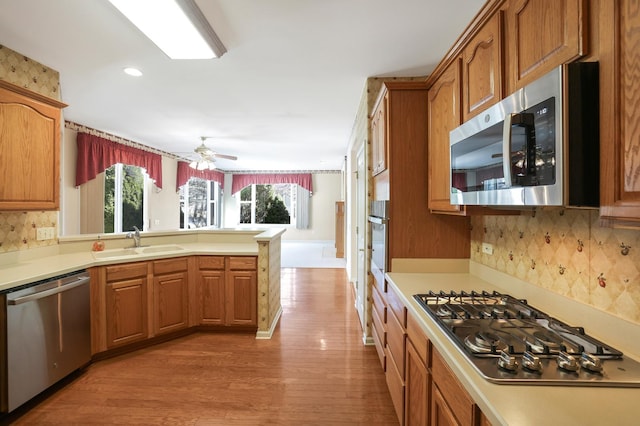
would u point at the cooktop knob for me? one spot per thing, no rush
(507, 362)
(567, 362)
(531, 362)
(590, 363)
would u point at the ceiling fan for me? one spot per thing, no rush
(207, 156)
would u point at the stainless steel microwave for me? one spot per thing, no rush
(537, 147)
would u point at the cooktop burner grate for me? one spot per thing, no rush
(496, 331)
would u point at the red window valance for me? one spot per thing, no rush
(242, 180)
(96, 154)
(185, 172)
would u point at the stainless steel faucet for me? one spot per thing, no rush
(135, 235)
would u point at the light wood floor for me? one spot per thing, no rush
(314, 371)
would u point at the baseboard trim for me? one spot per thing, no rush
(267, 334)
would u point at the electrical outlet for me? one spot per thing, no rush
(487, 248)
(45, 233)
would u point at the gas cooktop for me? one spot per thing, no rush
(509, 341)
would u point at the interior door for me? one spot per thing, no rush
(361, 223)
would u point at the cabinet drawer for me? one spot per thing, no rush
(396, 388)
(418, 339)
(452, 391)
(380, 346)
(379, 328)
(211, 262)
(379, 306)
(242, 262)
(126, 271)
(396, 342)
(397, 307)
(169, 265)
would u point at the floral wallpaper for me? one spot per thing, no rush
(567, 252)
(18, 229)
(25, 72)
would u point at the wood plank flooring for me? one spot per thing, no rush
(314, 371)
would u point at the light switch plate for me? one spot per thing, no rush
(45, 233)
(487, 248)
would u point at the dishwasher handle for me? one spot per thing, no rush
(35, 296)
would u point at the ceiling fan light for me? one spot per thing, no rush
(193, 164)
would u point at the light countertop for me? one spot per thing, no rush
(74, 253)
(522, 405)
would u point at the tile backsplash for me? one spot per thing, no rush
(18, 229)
(567, 252)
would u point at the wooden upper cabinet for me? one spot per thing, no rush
(30, 139)
(443, 116)
(379, 136)
(620, 112)
(482, 69)
(541, 35)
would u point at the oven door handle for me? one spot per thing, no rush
(378, 220)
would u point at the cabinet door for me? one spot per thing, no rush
(541, 35)
(30, 160)
(170, 302)
(242, 298)
(441, 414)
(212, 297)
(620, 113)
(482, 69)
(379, 137)
(126, 311)
(417, 382)
(444, 116)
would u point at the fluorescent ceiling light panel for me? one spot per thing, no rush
(177, 27)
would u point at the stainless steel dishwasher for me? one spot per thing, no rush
(48, 335)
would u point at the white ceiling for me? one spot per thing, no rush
(283, 97)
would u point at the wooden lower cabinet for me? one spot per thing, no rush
(170, 295)
(441, 414)
(125, 298)
(417, 375)
(242, 298)
(228, 290)
(417, 388)
(423, 389)
(133, 302)
(211, 290)
(451, 404)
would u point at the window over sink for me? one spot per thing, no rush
(124, 198)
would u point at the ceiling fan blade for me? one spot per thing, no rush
(228, 157)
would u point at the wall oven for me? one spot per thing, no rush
(378, 218)
(538, 147)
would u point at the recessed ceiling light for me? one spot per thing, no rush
(133, 71)
(177, 27)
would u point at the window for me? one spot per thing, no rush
(200, 204)
(124, 197)
(268, 204)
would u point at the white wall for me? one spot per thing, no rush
(69, 215)
(164, 205)
(327, 189)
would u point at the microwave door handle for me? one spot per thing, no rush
(506, 150)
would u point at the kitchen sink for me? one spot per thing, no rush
(135, 251)
(108, 254)
(159, 249)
